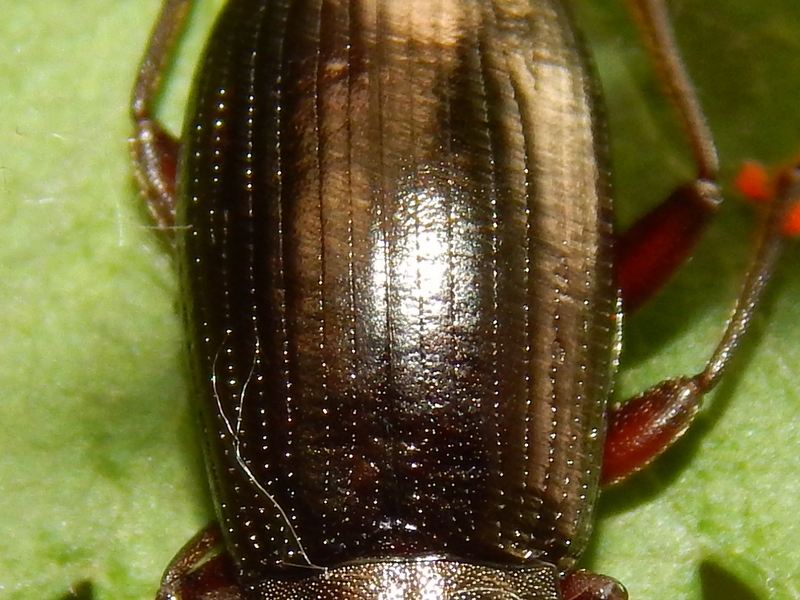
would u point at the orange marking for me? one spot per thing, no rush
(755, 183)
(791, 226)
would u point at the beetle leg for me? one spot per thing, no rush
(155, 151)
(585, 585)
(655, 28)
(651, 250)
(196, 573)
(658, 244)
(645, 426)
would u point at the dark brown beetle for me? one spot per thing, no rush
(403, 295)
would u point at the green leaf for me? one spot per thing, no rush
(101, 477)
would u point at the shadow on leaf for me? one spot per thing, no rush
(718, 583)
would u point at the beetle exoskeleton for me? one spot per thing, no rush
(402, 312)
(395, 242)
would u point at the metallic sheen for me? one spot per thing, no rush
(397, 255)
(421, 580)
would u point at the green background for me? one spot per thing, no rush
(100, 476)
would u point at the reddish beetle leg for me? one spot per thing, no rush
(643, 427)
(197, 572)
(155, 151)
(648, 254)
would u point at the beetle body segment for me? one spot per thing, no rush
(412, 579)
(396, 250)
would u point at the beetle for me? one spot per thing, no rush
(403, 295)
